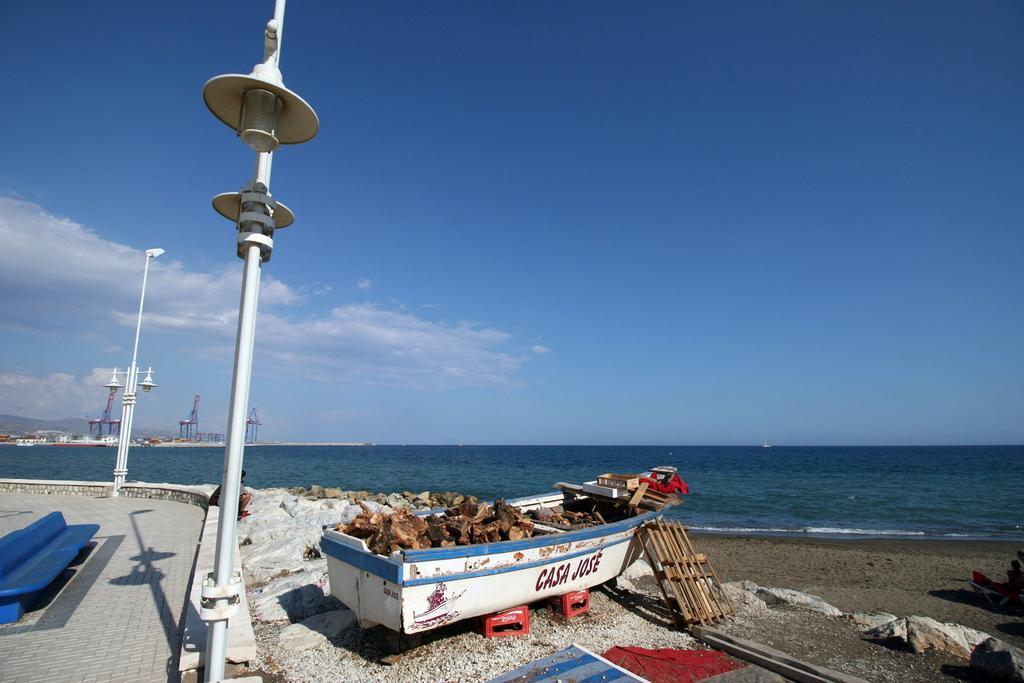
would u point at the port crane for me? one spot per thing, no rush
(252, 425)
(189, 429)
(113, 425)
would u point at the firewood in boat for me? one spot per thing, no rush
(458, 528)
(468, 524)
(406, 528)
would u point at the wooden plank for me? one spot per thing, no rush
(622, 481)
(708, 572)
(679, 577)
(697, 559)
(680, 618)
(709, 589)
(682, 602)
(635, 500)
(646, 503)
(771, 659)
(718, 582)
(683, 593)
(707, 610)
(693, 590)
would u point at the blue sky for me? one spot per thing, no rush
(575, 222)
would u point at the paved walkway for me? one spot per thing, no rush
(115, 614)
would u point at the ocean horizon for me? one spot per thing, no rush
(922, 492)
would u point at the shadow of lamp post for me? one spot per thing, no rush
(131, 384)
(264, 114)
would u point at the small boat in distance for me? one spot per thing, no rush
(765, 444)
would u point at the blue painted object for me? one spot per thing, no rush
(574, 663)
(31, 558)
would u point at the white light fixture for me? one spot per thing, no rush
(113, 384)
(260, 109)
(229, 204)
(259, 119)
(265, 114)
(153, 253)
(148, 384)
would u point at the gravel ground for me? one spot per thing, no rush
(838, 645)
(630, 615)
(459, 653)
(897, 576)
(901, 576)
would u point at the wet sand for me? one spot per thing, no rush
(903, 577)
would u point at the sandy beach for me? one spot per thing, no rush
(903, 577)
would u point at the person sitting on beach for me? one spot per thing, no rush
(243, 498)
(1013, 578)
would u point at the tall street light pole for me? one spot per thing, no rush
(265, 114)
(124, 435)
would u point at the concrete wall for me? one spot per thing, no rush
(180, 494)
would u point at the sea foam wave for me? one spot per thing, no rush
(824, 531)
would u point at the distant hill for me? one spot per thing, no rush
(15, 424)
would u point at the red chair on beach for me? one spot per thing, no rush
(994, 592)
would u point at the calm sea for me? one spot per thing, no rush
(935, 492)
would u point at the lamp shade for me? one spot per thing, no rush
(113, 384)
(296, 122)
(148, 384)
(228, 204)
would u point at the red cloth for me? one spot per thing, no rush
(672, 666)
(674, 485)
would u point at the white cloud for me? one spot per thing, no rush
(367, 344)
(540, 348)
(59, 276)
(53, 396)
(58, 269)
(364, 283)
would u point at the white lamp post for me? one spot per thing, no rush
(124, 435)
(265, 114)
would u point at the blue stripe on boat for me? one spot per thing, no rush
(512, 567)
(367, 561)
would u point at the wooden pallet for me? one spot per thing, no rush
(688, 583)
(619, 481)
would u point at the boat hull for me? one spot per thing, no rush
(418, 590)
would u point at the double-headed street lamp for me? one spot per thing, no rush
(131, 383)
(265, 114)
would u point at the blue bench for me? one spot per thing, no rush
(31, 558)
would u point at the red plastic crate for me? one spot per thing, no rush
(571, 604)
(511, 622)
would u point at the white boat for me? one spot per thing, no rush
(411, 591)
(765, 444)
(30, 441)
